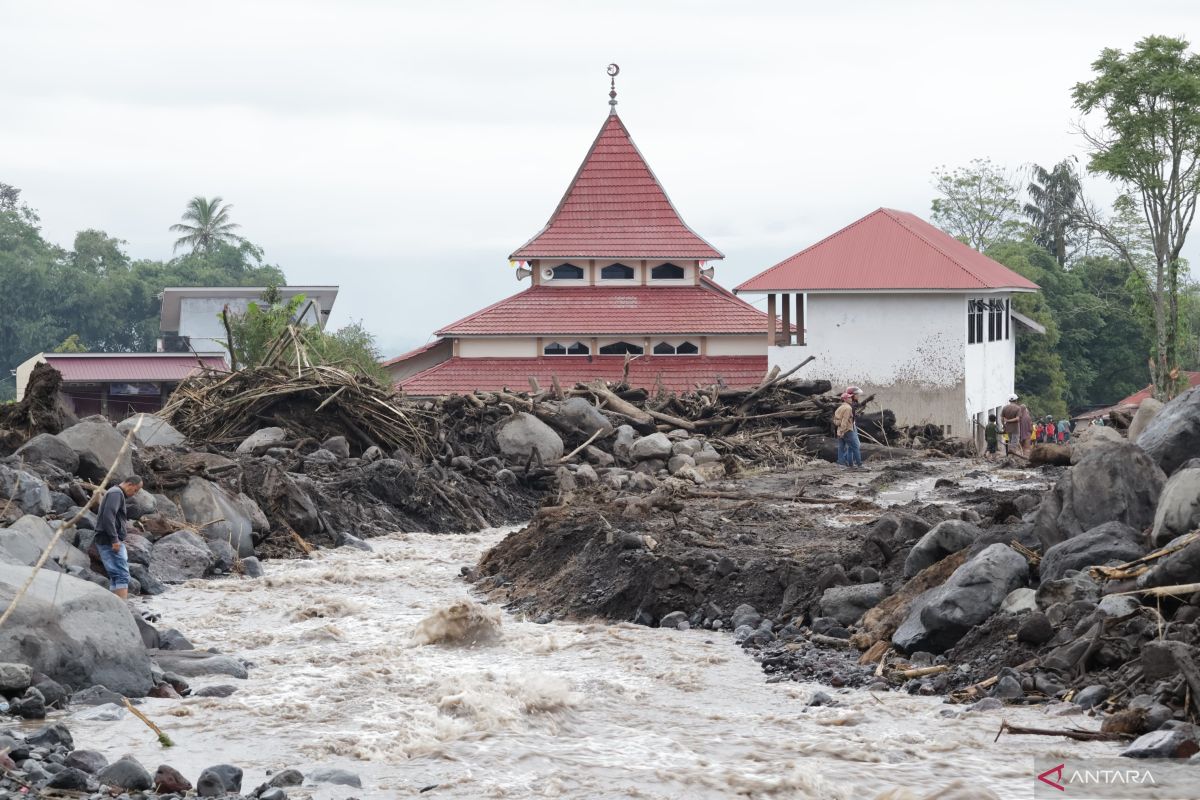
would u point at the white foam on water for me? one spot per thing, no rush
(381, 663)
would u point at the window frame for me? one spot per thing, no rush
(566, 265)
(631, 349)
(654, 276)
(618, 265)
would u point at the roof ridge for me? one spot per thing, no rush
(812, 246)
(894, 215)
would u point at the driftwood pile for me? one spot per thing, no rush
(39, 411)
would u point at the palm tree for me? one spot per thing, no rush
(1055, 193)
(205, 225)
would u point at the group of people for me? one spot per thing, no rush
(1017, 431)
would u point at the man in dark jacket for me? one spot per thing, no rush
(111, 529)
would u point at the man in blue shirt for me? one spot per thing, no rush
(111, 529)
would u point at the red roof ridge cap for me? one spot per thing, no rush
(815, 244)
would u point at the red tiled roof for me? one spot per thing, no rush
(1193, 379)
(615, 207)
(124, 367)
(679, 373)
(888, 249)
(551, 310)
(425, 348)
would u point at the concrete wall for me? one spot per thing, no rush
(420, 363)
(907, 349)
(990, 376)
(514, 347)
(200, 319)
(738, 345)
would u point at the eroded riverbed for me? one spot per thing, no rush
(560, 710)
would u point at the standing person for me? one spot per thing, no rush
(111, 529)
(1037, 429)
(1064, 431)
(1049, 430)
(1010, 422)
(849, 447)
(1026, 430)
(991, 435)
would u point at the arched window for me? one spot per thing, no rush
(616, 272)
(574, 349)
(554, 349)
(667, 272)
(620, 349)
(687, 349)
(664, 349)
(682, 349)
(578, 349)
(568, 272)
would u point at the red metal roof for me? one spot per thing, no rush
(1193, 379)
(615, 207)
(888, 249)
(132, 368)
(679, 373)
(550, 310)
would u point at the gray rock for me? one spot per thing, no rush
(321, 456)
(1173, 436)
(1008, 688)
(1109, 541)
(53, 735)
(220, 690)
(1019, 601)
(339, 777)
(940, 617)
(263, 437)
(586, 475)
(194, 663)
(23, 542)
(673, 620)
(687, 447)
(691, 474)
(46, 448)
(745, 614)
(707, 455)
(70, 779)
(523, 435)
(30, 705)
(73, 631)
(142, 504)
(655, 446)
(1181, 566)
(26, 490)
(623, 444)
(820, 698)
(337, 445)
(108, 712)
(1147, 410)
(273, 793)
(88, 761)
(1161, 743)
(565, 479)
(167, 779)
(55, 693)
(1092, 438)
(224, 556)
(15, 678)
(1160, 658)
(98, 446)
(372, 453)
(96, 696)
(1178, 506)
(640, 482)
(171, 639)
(167, 508)
(651, 466)
(583, 417)
(202, 502)
(1091, 696)
(218, 781)
(1118, 605)
(1035, 629)
(679, 462)
(252, 567)
(1075, 586)
(286, 778)
(153, 431)
(599, 457)
(179, 557)
(147, 583)
(344, 539)
(126, 773)
(847, 604)
(149, 632)
(943, 539)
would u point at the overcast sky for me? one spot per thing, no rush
(402, 150)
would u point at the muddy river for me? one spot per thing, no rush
(560, 710)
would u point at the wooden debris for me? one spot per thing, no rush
(1078, 734)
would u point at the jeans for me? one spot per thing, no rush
(849, 449)
(116, 564)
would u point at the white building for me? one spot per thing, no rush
(190, 318)
(898, 307)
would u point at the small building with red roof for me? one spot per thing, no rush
(898, 307)
(616, 276)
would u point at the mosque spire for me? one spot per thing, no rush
(613, 72)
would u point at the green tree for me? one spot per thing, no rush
(1053, 194)
(978, 204)
(71, 344)
(206, 224)
(1149, 144)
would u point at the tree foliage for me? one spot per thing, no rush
(206, 225)
(1053, 196)
(978, 204)
(1149, 143)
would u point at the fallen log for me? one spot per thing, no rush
(1058, 455)
(1078, 734)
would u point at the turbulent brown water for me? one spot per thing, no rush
(566, 710)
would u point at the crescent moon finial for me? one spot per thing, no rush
(613, 71)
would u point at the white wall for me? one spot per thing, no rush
(738, 345)
(509, 347)
(586, 264)
(908, 349)
(990, 374)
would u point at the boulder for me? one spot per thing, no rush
(27, 491)
(1091, 438)
(938, 619)
(73, 631)
(219, 781)
(623, 443)
(286, 778)
(1163, 743)
(31, 705)
(194, 663)
(147, 583)
(337, 445)
(24, 541)
(98, 446)
(142, 504)
(126, 773)
(339, 777)
(1119, 483)
(941, 540)
(263, 437)
(1146, 411)
(1173, 436)
(46, 448)
(179, 557)
(707, 455)
(522, 436)
(152, 430)
(1111, 541)
(1072, 587)
(655, 446)
(69, 779)
(168, 780)
(583, 417)
(15, 678)
(1020, 601)
(224, 556)
(679, 462)
(88, 761)
(1178, 506)
(687, 447)
(1174, 569)
(203, 501)
(847, 603)
(252, 567)
(138, 549)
